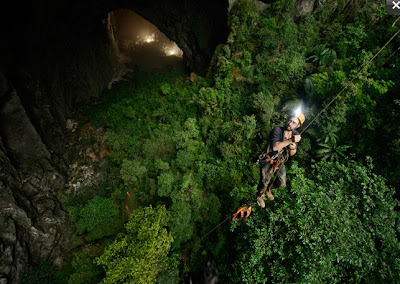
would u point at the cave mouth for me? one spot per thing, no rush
(138, 42)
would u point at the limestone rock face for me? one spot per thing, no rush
(304, 7)
(31, 219)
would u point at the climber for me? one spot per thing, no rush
(283, 143)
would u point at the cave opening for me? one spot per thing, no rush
(138, 42)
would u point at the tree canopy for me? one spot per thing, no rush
(141, 253)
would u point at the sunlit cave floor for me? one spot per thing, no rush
(151, 57)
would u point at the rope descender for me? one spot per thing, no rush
(244, 212)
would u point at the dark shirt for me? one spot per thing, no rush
(276, 135)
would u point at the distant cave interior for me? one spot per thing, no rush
(137, 42)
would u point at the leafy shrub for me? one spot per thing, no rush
(85, 270)
(45, 273)
(141, 253)
(98, 218)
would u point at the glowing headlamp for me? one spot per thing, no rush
(297, 111)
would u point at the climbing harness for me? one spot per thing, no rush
(264, 158)
(275, 166)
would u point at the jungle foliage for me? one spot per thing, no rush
(185, 151)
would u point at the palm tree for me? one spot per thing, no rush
(324, 57)
(330, 150)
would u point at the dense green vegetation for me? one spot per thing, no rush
(185, 152)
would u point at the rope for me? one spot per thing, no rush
(359, 72)
(215, 228)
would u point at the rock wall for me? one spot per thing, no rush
(31, 219)
(49, 63)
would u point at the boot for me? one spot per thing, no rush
(269, 195)
(260, 201)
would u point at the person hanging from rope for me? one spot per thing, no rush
(282, 144)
